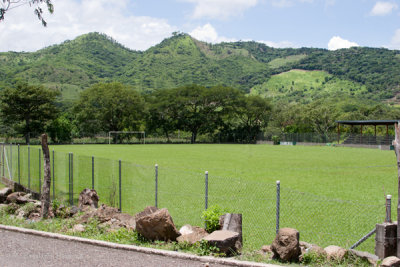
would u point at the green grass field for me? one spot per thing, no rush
(305, 84)
(332, 195)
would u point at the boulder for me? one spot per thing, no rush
(286, 245)
(335, 253)
(226, 241)
(13, 197)
(78, 228)
(126, 220)
(156, 224)
(391, 261)
(311, 248)
(191, 234)
(371, 258)
(88, 197)
(105, 213)
(232, 222)
(266, 249)
(4, 193)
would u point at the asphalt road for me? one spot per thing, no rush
(19, 249)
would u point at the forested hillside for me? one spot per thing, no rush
(72, 66)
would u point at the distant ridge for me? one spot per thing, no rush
(74, 65)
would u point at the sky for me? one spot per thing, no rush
(140, 24)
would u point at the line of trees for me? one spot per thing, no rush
(216, 111)
(219, 112)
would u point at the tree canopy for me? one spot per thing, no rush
(28, 108)
(108, 107)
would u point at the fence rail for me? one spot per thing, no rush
(265, 206)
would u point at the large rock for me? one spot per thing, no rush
(156, 224)
(88, 197)
(311, 248)
(226, 241)
(286, 245)
(335, 253)
(371, 258)
(391, 261)
(105, 213)
(232, 222)
(191, 234)
(17, 197)
(126, 220)
(4, 193)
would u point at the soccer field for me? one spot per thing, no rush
(332, 195)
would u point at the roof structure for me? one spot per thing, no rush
(369, 122)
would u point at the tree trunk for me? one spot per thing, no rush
(396, 144)
(194, 136)
(45, 198)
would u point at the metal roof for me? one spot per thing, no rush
(369, 122)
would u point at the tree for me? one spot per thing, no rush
(7, 5)
(162, 114)
(108, 107)
(28, 108)
(202, 110)
(253, 113)
(60, 129)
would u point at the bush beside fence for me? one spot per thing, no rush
(132, 187)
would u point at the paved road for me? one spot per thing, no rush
(19, 249)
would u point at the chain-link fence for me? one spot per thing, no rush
(265, 206)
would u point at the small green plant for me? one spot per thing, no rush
(203, 248)
(211, 217)
(276, 140)
(11, 208)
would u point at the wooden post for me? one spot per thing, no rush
(45, 198)
(396, 144)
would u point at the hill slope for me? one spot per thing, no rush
(74, 65)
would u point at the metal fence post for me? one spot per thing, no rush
(206, 191)
(29, 167)
(40, 174)
(206, 195)
(92, 172)
(54, 180)
(278, 199)
(156, 196)
(11, 165)
(71, 178)
(120, 187)
(388, 209)
(2, 156)
(19, 166)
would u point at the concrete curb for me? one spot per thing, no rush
(173, 254)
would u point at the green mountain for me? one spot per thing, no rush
(253, 67)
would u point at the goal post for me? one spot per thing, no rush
(142, 135)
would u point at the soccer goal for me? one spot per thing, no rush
(121, 135)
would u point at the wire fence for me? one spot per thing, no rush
(265, 206)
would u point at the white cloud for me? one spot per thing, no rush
(383, 8)
(207, 33)
(21, 31)
(220, 9)
(288, 3)
(395, 42)
(282, 44)
(337, 42)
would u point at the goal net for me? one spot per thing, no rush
(126, 137)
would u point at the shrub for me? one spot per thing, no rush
(211, 217)
(276, 139)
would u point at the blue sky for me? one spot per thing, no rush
(140, 24)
